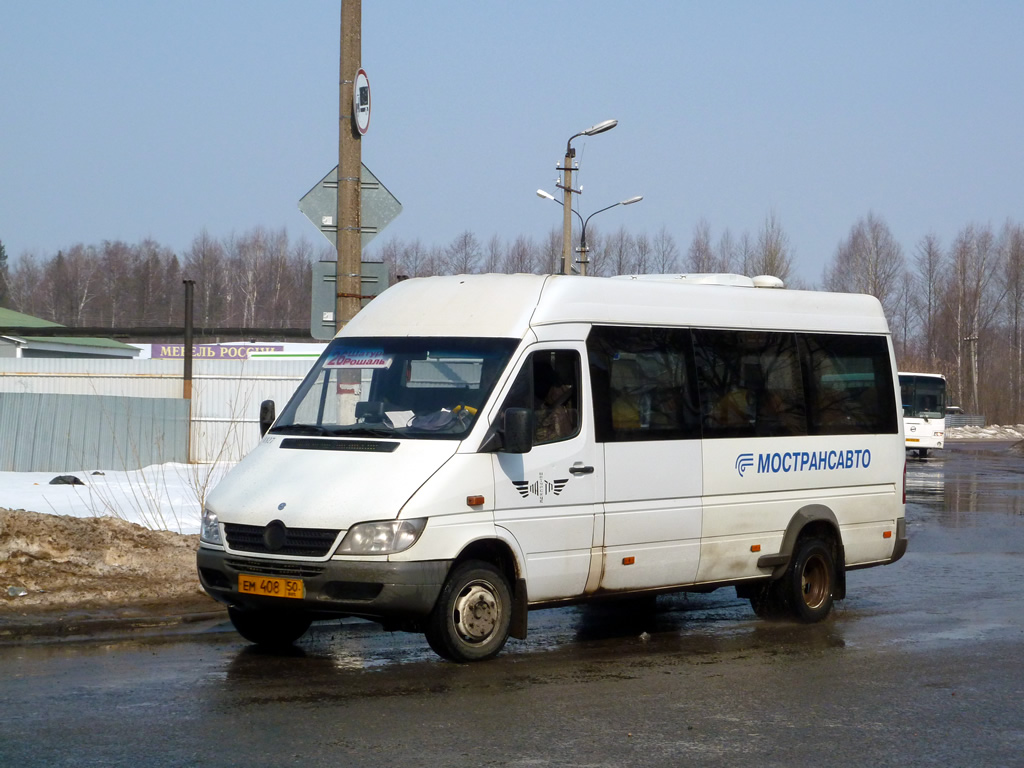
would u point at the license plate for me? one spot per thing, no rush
(270, 586)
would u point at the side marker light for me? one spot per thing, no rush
(475, 501)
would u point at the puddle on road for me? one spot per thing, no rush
(971, 484)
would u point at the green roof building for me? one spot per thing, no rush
(55, 346)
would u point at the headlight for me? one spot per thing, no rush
(382, 538)
(210, 531)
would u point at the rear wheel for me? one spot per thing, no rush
(768, 601)
(270, 628)
(810, 581)
(471, 619)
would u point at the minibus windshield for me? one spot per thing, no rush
(408, 387)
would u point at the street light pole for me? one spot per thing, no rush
(567, 190)
(583, 249)
(584, 259)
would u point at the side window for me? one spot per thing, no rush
(643, 384)
(750, 384)
(850, 383)
(549, 383)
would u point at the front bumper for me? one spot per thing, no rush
(381, 591)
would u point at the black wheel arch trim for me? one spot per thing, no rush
(499, 554)
(805, 516)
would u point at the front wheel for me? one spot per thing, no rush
(810, 581)
(273, 629)
(471, 619)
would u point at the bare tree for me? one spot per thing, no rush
(725, 253)
(549, 256)
(970, 306)
(463, 255)
(928, 279)
(699, 256)
(643, 253)
(521, 256)
(665, 252)
(494, 255)
(868, 261)
(115, 262)
(25, 285)
(618, 252)
(1012, 244)
(745, 251)
(71, 279)
(772, 254)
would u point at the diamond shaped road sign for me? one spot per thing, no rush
(377, 206)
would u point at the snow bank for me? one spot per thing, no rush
(992, 432)
(160, 497)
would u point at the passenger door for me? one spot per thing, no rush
(647, 423)
(547, 498)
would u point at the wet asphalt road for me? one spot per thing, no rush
(920, 665)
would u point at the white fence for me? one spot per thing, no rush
(226, 394)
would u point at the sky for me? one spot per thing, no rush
(122, 120)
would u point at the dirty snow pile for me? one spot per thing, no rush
(992, 432)
(85, 540)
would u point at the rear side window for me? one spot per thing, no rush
(849, 380)
(750, 382)
(643, 384)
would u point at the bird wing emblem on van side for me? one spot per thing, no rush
(540, 487)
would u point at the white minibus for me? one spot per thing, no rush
(469, 448)
(923, 398)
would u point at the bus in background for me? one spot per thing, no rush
(924, 410)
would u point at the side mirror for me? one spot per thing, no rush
(267, 415)
(517, 434)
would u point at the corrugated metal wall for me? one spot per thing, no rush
(225, 404)
(57, 433)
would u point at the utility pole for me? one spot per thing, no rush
(567, 190)
(348, 281)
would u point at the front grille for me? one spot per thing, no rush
(265, 568)
(298, 542)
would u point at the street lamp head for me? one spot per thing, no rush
(604, 125)
(545, 195)
(632, 200)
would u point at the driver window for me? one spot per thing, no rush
(549, 383)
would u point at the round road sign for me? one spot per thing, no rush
(361, 101)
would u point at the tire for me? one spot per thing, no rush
(768, 601)
(269, 628)
(471, 619)
(809, 582)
